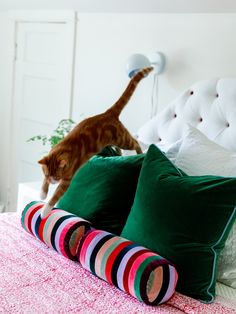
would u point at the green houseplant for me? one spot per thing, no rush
(63, 128)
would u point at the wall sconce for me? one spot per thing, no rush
(139, 61)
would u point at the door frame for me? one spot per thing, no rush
(67, 17)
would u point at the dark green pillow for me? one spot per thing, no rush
(109, 151)
(185, 219)
(102, 191)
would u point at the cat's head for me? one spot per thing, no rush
(55, 166)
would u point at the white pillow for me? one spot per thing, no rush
(198, 155)
(172, 150)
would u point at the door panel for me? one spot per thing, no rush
(42, 91)
(41, 47)
(32, 151)
(42, 107)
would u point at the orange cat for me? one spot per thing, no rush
(88, 138)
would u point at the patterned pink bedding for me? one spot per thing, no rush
(35, 279)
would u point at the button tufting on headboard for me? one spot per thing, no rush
(211, 108)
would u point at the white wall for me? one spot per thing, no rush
(130, 6)
(6, 57)
(197, 46)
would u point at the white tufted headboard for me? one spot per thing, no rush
(208, 105)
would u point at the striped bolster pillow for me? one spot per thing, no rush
(60, 230)
(130, 267)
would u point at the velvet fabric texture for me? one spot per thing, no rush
(108, 151)
(102, 191)
(184, 218)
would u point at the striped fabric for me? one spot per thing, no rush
(130, 267)
(60, 230)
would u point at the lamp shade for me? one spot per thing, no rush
(139, 61)
(136, 62)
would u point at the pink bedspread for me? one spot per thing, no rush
(36, 279)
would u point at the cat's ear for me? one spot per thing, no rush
(43, 161)
(62, 164)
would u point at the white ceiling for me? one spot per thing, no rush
(126, 6)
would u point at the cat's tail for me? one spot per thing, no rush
(125, 97)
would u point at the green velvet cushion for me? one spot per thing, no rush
(102, 191)
(184, 218)
(109, 151)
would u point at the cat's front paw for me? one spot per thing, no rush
(45, 211)
(43, 195)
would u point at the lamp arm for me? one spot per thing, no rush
(159, 62)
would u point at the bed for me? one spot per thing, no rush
(35, 278)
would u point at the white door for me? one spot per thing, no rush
(42, 93)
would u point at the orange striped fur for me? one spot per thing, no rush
(88, 138)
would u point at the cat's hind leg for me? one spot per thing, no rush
(138, 148)
(126, 141)
(132, 144)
